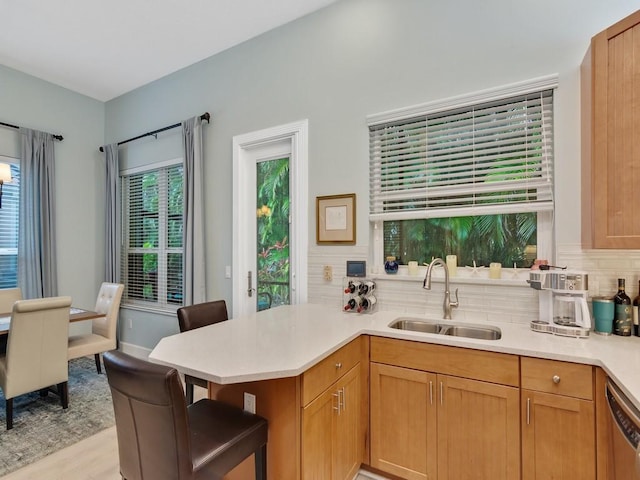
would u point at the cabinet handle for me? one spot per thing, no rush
(337, 407)
(430, 392)
(441, 393)
(339, 365)
(556, 379)
(528, 411)
(344, 399)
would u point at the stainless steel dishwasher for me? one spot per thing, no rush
(625, 435)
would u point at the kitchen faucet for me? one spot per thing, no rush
(448, 304)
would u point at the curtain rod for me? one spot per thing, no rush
(57, 137)
(204, 116)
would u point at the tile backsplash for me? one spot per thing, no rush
(480, 300)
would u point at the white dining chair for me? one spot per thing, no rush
(36, 356)
(103, 330)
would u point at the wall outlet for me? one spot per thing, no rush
(327, 272)
(249, 402)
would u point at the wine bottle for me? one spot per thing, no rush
(366, 287)
(367, 303)
(351, 288)
(623, 317)
(636, 306)
(353, 304)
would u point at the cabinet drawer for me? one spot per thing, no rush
(460, 362)
(320, 377)
(562, 378)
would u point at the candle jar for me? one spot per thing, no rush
(391, 266)
(495, 270)
(452, 265)
(412, 267)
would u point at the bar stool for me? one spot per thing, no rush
(196, 316)
(160, 438)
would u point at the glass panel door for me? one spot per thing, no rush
(272, 226)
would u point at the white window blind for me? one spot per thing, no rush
(487, 158)
(9, 230)
(153, 225)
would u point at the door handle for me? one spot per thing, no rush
(250, 288)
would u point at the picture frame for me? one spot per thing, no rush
(336, 219)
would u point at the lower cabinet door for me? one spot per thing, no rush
(558, 437)
(317, 437)
(349, 440)
(332, 440)
(478, 430)
(403, 421)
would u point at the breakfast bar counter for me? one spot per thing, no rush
(288, 340)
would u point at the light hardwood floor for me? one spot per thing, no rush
(95, 458)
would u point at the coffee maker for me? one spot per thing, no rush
(563, 302)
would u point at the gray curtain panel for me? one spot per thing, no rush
(113, 209)
(37, 271)
(193, 259)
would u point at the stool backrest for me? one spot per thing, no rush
(202, 314)
(151, 418)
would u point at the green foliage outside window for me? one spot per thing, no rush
(507, 238)
(273, 231)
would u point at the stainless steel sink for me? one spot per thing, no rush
(481, 332)
(416, 325)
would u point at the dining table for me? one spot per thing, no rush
(75, 315)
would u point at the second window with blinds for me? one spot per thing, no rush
(152, 231)
(469, 176)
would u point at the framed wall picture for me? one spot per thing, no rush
(336, 219)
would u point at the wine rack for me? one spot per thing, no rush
(359, 295)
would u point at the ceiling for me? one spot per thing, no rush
(103, 49)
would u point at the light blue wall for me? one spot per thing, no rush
(352, 59)
(33, 103)
(334, 67)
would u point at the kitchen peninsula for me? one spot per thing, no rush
(291, 357)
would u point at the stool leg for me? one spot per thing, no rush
(261, 462)
(189, 390)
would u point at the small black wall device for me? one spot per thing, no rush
(356, 268)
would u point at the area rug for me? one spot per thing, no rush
(41, 426)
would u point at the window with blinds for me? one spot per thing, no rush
(470, 176)
(486, 158)
(153, 226)
(9, 230)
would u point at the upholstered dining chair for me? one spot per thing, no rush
(36, 356)
(196, 316)
(103, 329)
(8, 296)
(160, 437)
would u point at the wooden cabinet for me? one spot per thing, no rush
(558, 420)
(333, 436)
(478, 430)
(434, 424)
(403, 421)
(610, 90)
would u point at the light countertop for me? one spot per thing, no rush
(287, 340)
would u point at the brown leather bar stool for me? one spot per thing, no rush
(160, 438)
(196, 316)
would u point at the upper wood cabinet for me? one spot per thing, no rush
(610, 91)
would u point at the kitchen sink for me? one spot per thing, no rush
(482, 333)
(487, 332)
(416, 325)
